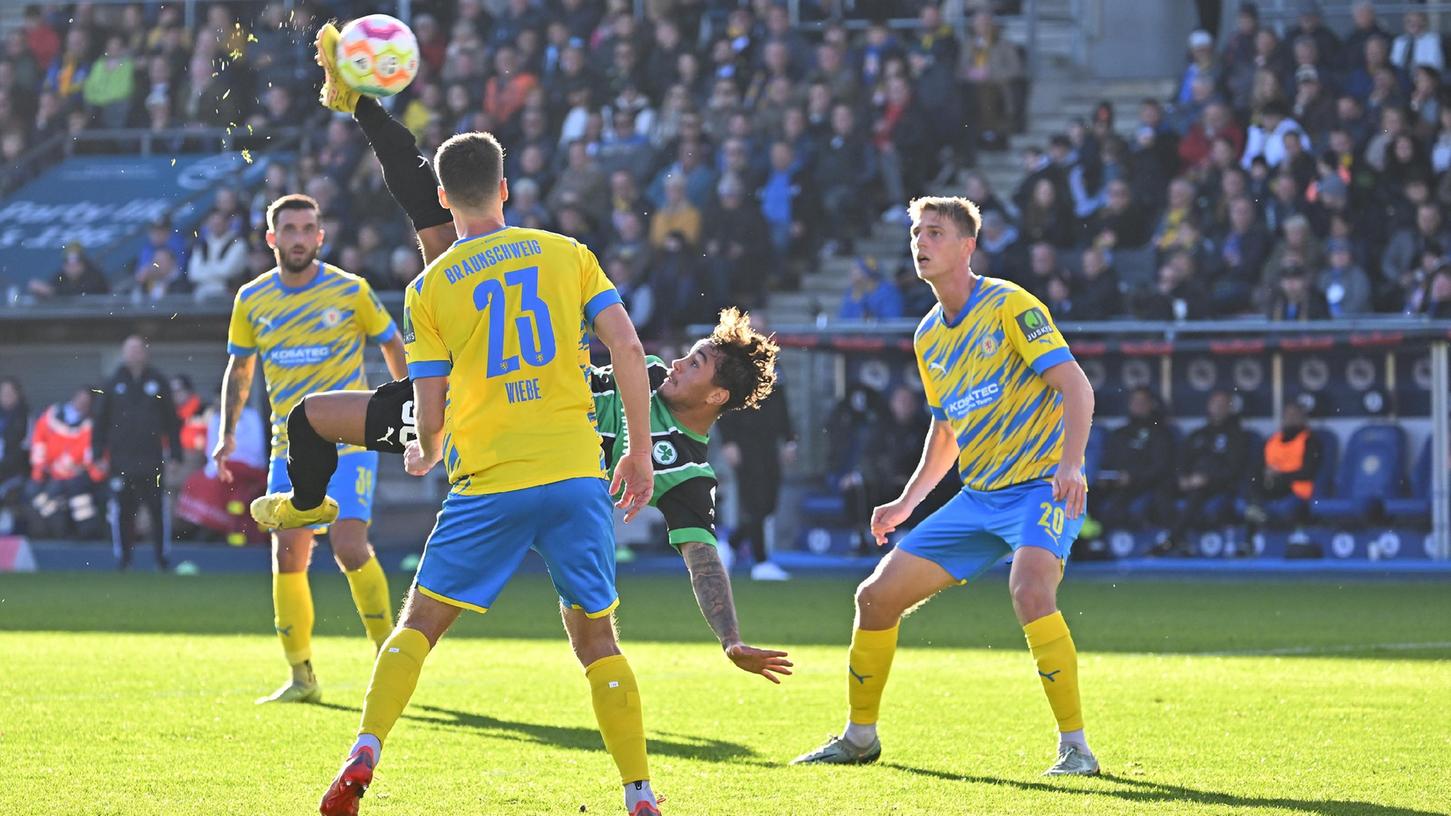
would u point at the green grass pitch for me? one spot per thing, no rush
(133, 695)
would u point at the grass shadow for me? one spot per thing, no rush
(1144, 792)
(577, 739)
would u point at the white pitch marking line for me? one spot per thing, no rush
(1287, 651)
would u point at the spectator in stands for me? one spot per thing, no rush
(870, 296)
(1425, 101)
(1299, 248)
(988, 67)
(1267, 135)
(1096, 293)
(1202, 66)
(1136, 477)
(136, 426)
(1182, 209)
(111, 83)
(1364, 25)
(65, 480)
(40, 38)
(1121, 223)
(738, 244)
(78, 276)
(217, 261)
(1296, 297)
(14, 449)
(67, 75)
(160, 234)
(1417, 45)
(1292, 461)
(1311, 26)
(1406, 247)
(997, 242)
(676, 214)
(1436, 302)
(1345, 286)
(637, 292)
(905, 151)
(1177, 293)
(1217, 122)
(1046, 217)
(1242, 256)
(788, 202)
(1043, 266)
(852, 427)
(1213, 464)
(1313, 106)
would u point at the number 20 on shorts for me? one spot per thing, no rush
(1052, 519)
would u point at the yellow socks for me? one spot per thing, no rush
(1057, 659)
(292, 615)
(394, 677)
(622, 722)
(370, 594)
(867, 668)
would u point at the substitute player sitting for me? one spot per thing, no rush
(1012, 409)
(308, 321)
(493, 330)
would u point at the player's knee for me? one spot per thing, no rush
(1032, 600)
(875, 605)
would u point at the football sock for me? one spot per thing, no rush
(292, 615)
(637, 792)
(370, 594)
(859, 735)
(867, 667)
(407, 173)
(302, 673)
(1074, 738)
(311, 460)
(1052, 648)
(371, 743)
(616, 701)
(394, 677)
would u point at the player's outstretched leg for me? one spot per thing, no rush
(335, 94)
(616, 699)
(1033, 582)
(315, 427)
(395, 675)
(901, 581)
(293, 616)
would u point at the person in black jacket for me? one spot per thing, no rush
(14, 453)
(757, 445)
(1215, 465)
(134, 418)
(1136, 476)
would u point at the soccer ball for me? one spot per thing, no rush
(377, 55)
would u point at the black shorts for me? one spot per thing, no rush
(390, 425)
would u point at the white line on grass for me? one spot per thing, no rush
(1288, 651)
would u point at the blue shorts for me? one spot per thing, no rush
(977, 528)
(351, 486)
(479, 541)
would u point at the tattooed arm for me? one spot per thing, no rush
(236, 386)
(713, 592)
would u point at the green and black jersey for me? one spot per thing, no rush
(684, 481)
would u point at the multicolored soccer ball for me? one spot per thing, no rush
(377, 55)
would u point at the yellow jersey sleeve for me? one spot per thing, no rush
(599, 293)
(934, 401)
(241, 339)
(371, 316)
(1031, 332)
(422, 343)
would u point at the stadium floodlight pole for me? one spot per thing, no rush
(1440, 479)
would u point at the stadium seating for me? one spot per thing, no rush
(1415, 506)
(1369, 473)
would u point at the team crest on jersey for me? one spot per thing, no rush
(1034, 324)
(664, 453)
(332, 317)
(989, 345)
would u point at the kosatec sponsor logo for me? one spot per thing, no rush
(300, 355)
(979, 397)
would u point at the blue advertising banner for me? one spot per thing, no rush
(104, 203)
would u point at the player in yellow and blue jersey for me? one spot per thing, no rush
(495, 330)
(308, 321)
(1012, 409)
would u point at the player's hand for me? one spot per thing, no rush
(221, 453)
(765, 662)
(887, 516)
(634, 483)
(1071, 488)
(416, 462)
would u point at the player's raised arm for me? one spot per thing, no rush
(712, 586)
(1069, 484)
(633, 473)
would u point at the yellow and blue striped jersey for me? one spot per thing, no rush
(983, 375)
(505, 316)
(310, 337)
